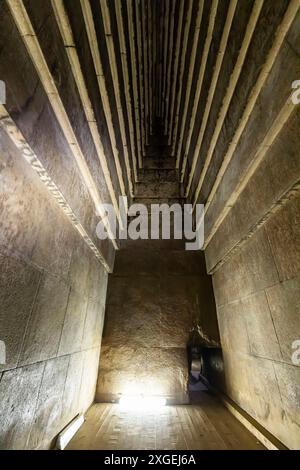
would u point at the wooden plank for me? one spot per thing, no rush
(171, 428)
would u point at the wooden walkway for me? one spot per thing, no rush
(206, 425)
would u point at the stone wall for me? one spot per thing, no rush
(254, 258)
(156, 297)
(52, 286)
(52, 297)
(252, 225)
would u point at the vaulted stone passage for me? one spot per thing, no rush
(158, 295)
(161, 102)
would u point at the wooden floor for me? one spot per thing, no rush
(206, 425)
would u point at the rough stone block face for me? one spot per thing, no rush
(155, 299)
(284, 231)
(73, 328)
(232, 324)
(44, 327)
(71, 394)
(157, 189)
(148, 371)
(250, 270)
(18, 288)
(283, 300)
(46, 423)
(288, 377)
(89, 378)
(52, 290)
(257, 292)
(15, 208)
(19, 391)
(267, 391)
(260, 325)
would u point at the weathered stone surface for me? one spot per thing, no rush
(144, 262)
(166, 163)
(78, 274)
(157, 189)
(175, 325)
(71, 394)
(288, 378)
(155, 299)
(93, 326)
(140, 290)
(284, 231)
(260, 327)
(268, 391)
(45, 325)
(18, 287)
(71, 337)
(139, 324)
(233, 330)
(19, 390)
(250, 270)
(19, 225)
(89, 378)
(150, 176)
(284, 305)
(98, 278)
(47, 420)
(148, 371)
(148, 201)
(183, 263)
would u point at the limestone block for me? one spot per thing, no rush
(289, 385)
(47, 420)
(54, 248)
(71, 338)
(93, 325)
(175, 325)
(20, 200)
(151, 163)
(19, 390)
(18, 287)
(138, 263)
(284, 231)
(283, 300)
(151, 176)
(98, 278)
(89, 378)
(233, 330)
(45, 325)
(148, 371)
(183, 263)
(253, 383)
(79, 269)
(71, 395)
(128, 291)
(159, 189)
(249, 270)
(261, 332)
(139, 324)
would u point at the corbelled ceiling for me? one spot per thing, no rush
(195, 74)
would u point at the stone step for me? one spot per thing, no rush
(147, 201)
(149, 176)
(154, 163)
(161, 189)
(132, 262)
(158, 150)
(156, 245)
